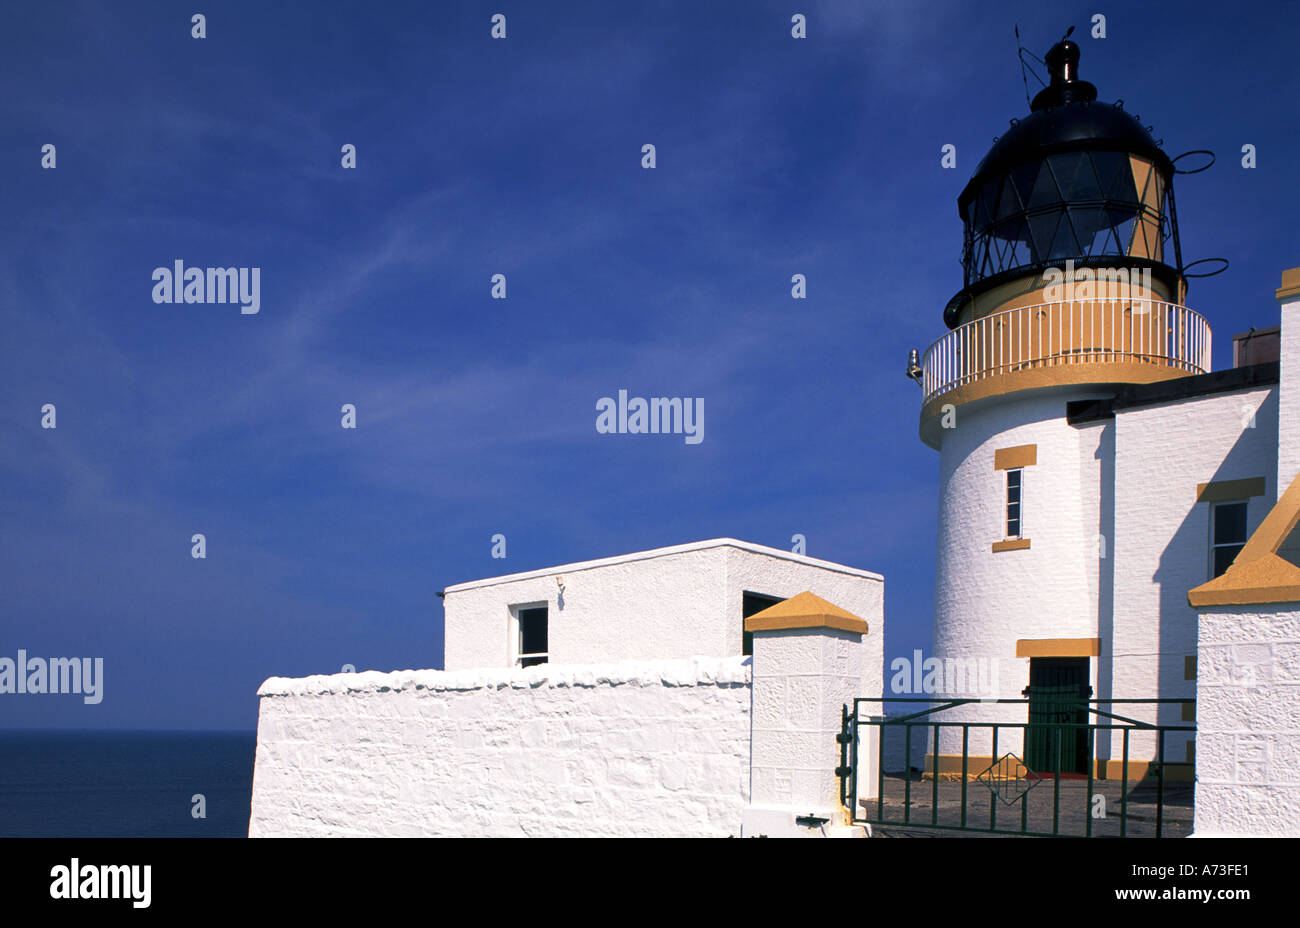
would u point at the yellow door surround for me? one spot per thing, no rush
(1058, 647)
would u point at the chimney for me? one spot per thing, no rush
(1257, 346)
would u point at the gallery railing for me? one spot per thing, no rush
(1067, 333)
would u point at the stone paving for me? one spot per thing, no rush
(1075, 808)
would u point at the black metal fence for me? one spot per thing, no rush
(1052, 785)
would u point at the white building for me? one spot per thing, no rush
(680, 602)
(1092, 469)
(692, 690)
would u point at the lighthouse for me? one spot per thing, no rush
(1092, 469)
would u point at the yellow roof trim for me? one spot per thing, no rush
(1259, 575)
(1290, 284)
(805, 610)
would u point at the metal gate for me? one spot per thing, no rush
(1030, 782)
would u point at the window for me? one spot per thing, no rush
(1015, 493)
(530, 635)
(752, 603)
(1227, 535)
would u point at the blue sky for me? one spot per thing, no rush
(521, 157)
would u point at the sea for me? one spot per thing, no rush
(142, 784)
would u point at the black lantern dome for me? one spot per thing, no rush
(1074, 180)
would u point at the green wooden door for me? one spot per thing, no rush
(1058, 692)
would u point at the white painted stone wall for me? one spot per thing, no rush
(632, 749)
(1162, 537)
(1288, 464)
(1248, 721)
(803, 678)
(665, 606)
(674, 602)
(986, 601)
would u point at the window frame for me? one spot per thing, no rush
(1019, 503)
(1215, 546)
(516, 636)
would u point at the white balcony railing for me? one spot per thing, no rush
(1068, 333)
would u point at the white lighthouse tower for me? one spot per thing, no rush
(1073, 293)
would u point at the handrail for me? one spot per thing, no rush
(1067, 333)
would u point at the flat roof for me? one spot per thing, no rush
(1172, 391)
(663, 552)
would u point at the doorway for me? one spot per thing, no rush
(1057, 737)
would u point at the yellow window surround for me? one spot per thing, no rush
(1218, 491)
(1012, 458)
